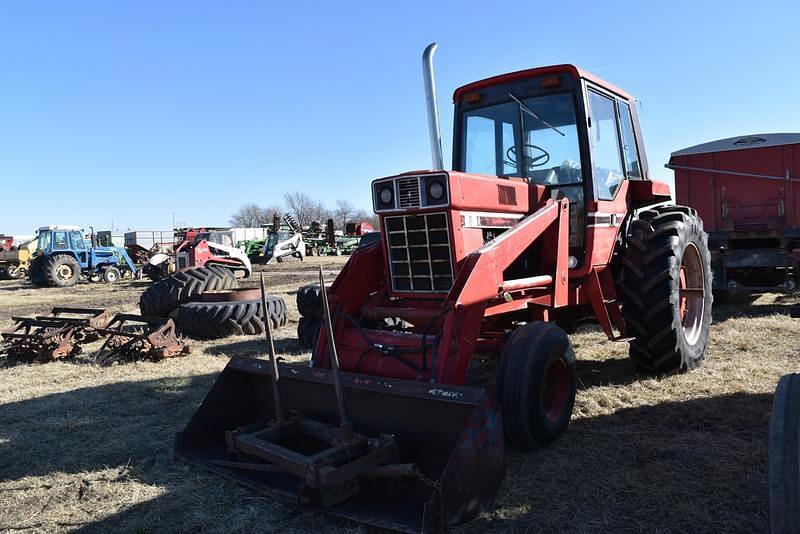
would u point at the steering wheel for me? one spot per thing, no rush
(531, 162)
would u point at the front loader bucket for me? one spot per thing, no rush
(448, 442)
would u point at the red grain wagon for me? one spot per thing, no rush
(746, 190)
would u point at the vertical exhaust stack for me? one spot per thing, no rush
(433, 109)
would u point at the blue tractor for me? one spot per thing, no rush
(63, 255)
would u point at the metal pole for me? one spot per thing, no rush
(347, 428)
(273, 361)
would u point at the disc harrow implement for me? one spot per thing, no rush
(134, 336)
(55, 336)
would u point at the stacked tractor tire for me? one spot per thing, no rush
(309, 305)
(207, 303)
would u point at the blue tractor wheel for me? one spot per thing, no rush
(61, 270)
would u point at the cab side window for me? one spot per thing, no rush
(60, 241)
(632, 167)
(77, 241)
(604, 138)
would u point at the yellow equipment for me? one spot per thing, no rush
(14, 263)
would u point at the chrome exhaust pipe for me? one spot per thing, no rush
(433, 109)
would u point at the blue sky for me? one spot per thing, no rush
(130, 111)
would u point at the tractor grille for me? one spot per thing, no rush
(409, 192)
(419, 252)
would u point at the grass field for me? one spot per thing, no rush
(89, 448)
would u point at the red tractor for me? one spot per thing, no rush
(548, 218)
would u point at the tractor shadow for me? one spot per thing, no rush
(691, 466)
(95, 448)
(611, 372)
(256, 347)
(725, 312)
(697, 465)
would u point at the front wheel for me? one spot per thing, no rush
(666, 289)
(536, 385)
(111, 275)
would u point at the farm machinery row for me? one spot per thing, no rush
(548, 218)
(332, 243)
(284, 239)
(287, 239)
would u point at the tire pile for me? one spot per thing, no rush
(309, 304)
(182, 296)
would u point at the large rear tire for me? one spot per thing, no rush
(308, 332)
(666, 289)
(166, 295)
(213, 320)
(35, 272)
(61, 270)
(536, 385)
(309, 301)
(784, 457)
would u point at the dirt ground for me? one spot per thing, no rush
(89, 448)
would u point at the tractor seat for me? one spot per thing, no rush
(544, 177)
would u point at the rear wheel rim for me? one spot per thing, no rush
(64, 272)
(692, 293)
(554, 389)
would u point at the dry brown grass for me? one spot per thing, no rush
(89, 447)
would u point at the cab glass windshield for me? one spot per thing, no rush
(534, 138)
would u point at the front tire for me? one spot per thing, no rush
(111, 275)
(666, 289)
(536, 385)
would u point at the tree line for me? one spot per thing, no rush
(304, 209)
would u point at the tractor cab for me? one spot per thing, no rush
(561, 129)
(58, 239)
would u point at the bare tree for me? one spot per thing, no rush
(274, 209)
(250, 216)
(344, 209)
(321, 213)
(302, 206)
(367, 216)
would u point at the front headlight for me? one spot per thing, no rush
(436, 190)
(386, 195)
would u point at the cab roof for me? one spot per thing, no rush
(539, 71)
(59, 227)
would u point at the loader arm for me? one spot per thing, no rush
(481, 277)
